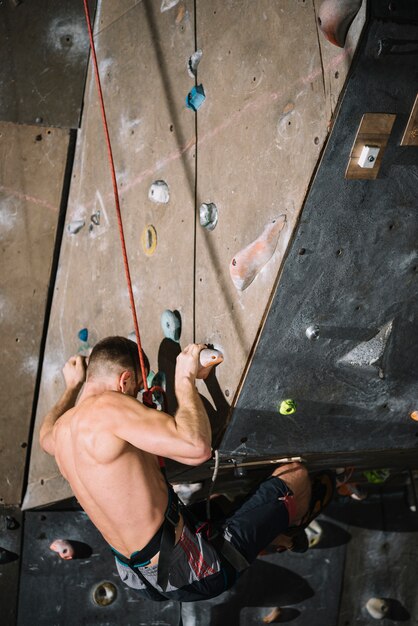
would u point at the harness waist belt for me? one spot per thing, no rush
(163, 541)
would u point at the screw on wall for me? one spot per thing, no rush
(312, 332)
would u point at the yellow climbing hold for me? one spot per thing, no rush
(287, 407)
(149, 240)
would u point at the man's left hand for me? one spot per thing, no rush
(74, 372)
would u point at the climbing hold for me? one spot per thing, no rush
(171, 324)
(335, 18)
(6, 556)
(208, 214)
(83, 334)
(314, 533)
(369, 352)
(414, 415)
(149, 240)
(95, 218)
(11, 523)
(193, 62)
(105, 593)
(185, 491)
(377, 607)
(159, 192)
(273, 616)
(63, 548)
(195, 98)
(247, 263)
(312, 332)
(377, 477)
(287, 407)
(166, 5)
(74, 227)
(210, 356)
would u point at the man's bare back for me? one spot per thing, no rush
(106, 448)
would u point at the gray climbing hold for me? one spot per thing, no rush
(159, 192)
(193, 62)
(171, 324)
(74, 227)
(208, 214)
(369, 352)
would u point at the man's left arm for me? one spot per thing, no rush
(74, 375)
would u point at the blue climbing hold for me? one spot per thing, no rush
(83, 334)
(171, 324)
(195, 98)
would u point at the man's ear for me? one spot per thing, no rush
(124, 380)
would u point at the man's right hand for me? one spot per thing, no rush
(187, 364)
(74, 372)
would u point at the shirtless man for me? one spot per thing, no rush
(106, 445)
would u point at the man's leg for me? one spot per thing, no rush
(279, 502)
(296, 477)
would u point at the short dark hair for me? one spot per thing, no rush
(114, 355)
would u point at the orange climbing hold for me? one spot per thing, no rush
(245, 265)
(414, 415)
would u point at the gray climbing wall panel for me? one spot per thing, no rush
(44, 51)
(56, 591)
(32, 166)
(352, 272)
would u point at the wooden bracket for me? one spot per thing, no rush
(374, 130)
(410, 136)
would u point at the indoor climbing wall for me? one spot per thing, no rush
(32, 166)
(201, 191)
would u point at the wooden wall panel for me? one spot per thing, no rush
(142, 57)
(32, 164)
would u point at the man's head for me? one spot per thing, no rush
(117, 358)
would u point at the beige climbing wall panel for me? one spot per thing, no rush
(32, 164)
(142, 56)
(260, 133)
(336, 61)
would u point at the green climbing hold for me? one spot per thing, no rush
(377, 477)
(287, 407)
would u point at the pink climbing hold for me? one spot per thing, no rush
(64, 548)
(245, 265)
(335, 18)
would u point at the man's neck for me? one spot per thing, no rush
(96, 387)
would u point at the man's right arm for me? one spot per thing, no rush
(185, 438)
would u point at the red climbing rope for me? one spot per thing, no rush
(146, 395)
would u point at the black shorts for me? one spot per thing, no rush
(198, 571)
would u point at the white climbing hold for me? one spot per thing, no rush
(159, 192)
(166, 5)
(377, 608)
(193, 62)
(74, 227)
(314, 533)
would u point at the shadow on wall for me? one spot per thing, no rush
(262, 585)
(218, 414)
